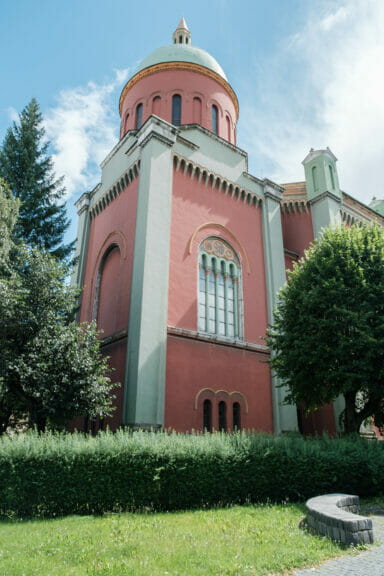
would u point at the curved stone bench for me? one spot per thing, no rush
(335, 515)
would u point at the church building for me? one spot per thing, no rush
(181, 252)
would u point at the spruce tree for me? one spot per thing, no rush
(28, 169)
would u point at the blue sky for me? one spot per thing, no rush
(308, 73)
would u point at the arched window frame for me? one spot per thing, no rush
(222, 416)
(236, 416)
(219, 290)
(215, 119)
(207, 415)
(177, 105)
(139, 116)
(100, 269)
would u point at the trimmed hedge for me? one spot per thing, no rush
(49, 475)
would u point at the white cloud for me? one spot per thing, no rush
(82, 128)
(331, 96)
(13, 114)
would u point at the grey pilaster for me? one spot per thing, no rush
(284, 416)
(147, 331)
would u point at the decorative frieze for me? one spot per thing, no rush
(215, 182)
(115, 190)
(294, 206)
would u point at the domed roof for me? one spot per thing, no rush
(182, 53)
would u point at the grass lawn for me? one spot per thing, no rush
(238, 541)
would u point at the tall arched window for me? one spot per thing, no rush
(139, 116)
(176, 109)
(236, 416)
(222, 416)
(219, 289)
(332, 177)
(105, 305)
(314, 178)
(207, 415)
(215, 119)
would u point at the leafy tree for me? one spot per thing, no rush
(9, 208)
(328, 334)
(51, 367)
(26, 166)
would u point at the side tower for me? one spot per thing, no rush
(323, 189)
(181, 254)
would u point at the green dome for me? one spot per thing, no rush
(182, 53)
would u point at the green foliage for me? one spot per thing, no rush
(9, 209)
(328, 333)
(220, 542)
(50, 475)
(26, 166)
(52, 368)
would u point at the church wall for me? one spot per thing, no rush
(200, 370)
(189, 85)
(194, 204)
(297, 231)
(115, 225)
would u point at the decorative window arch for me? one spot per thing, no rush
(176, 109)
(219, 289)
(139, 116)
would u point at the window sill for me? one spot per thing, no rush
(215, 339)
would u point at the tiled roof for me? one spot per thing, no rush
(296, 189)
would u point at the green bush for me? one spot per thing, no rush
(49, 475)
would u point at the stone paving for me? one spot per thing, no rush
(367, 563)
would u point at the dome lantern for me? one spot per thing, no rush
(182, 34)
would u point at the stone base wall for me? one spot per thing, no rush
(335, 515)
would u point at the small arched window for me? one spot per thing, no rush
(219, 289)
(215, 119)
(176, 109)
(156, 103)
(222, 416)
(139, 116)
(331, 176)
(236, 416)
(207, 415)
(314, 178)
(228, 128)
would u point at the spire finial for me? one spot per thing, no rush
(182, 34)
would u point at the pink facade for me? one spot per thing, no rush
(198, 371)
(198, 94)
(199, 211)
